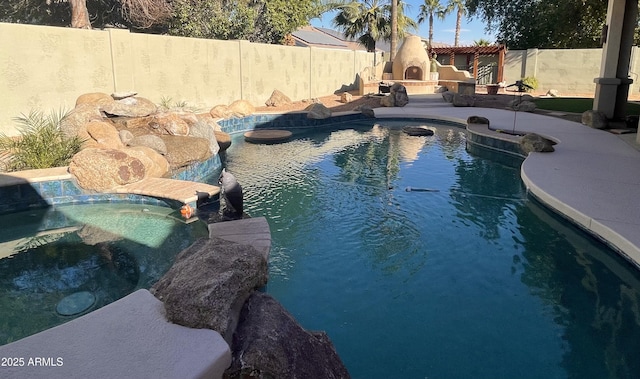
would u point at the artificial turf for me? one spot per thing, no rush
(577, 105)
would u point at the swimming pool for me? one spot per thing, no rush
(463, 276)
(59, 263)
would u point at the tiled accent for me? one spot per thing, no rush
(293, 120)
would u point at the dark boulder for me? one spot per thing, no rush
(536, 143)
(209, 282)
(269, 343)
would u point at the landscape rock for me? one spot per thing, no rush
(105, 135)
(269, 343)
(123, 95)
(595, 119)
(96, 98)
(421, 130)
(553, 93)
(532, 142)
(184, 150)
(447, 96)
(155, 165)
(318, 111)
(209, 282)
(367, 111)
(388, 101)
(463, 100)
(221, 111)
(151, 141)
(130, 107)
(241, 108)
(399, 93)
(277, 99)
(74, 124)
(525, 106)
(224, 140)
(203, 130)
(126, 136)
(105, 169)
(346, 97)
(478, 120)
(170, 123)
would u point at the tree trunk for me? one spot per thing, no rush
(79, 14)
(458, 26)
(394, 28)
(430, 31)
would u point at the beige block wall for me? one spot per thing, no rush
(269, 67)
(43, 68)
(46, 68)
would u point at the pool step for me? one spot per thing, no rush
(181, 190)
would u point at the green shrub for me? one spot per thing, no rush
(530, 81)
(41, 143)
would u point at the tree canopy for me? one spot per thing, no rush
(370, 21)
(523, 24)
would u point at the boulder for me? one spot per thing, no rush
(399, 93)
(388, 101)
(209, 282)
(553, 93)
(318, 111)
(105, 134)
(532, 142)
(96, 98)
(277, 99)
(595, 119)
(206, 118)
(478, 120)
(525, 106)
(221, 111)
(447, 96)
(421, 130)
(130, 107)
(74, 123)
(463, 100)
(367, 111)
(346, 97)
(149, 140)
(242, 108)
(184, 150)
(170, 123)
(269, 343)
(224, 140)
(126, 136)
(105, 169)
(203, 130)
(155, 165)
(123, 95)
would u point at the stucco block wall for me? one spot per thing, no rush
(47, 68)
(570, 71)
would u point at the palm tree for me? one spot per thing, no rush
(427, 11)
(394, 29)
(370, 21)
(481, 42)
(461, 8)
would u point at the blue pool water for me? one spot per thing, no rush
(104, 251)
(471, 279)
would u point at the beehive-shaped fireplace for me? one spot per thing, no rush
(411, 61)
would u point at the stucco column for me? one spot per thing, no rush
(612, 87)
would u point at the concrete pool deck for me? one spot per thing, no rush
(592, 178)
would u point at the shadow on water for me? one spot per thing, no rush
(48, 253)
(593, 294)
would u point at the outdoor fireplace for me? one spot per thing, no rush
(411, 61)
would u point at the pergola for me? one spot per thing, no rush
(476, 51)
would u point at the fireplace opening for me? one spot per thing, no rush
(413, 73)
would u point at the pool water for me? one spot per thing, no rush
(464, 276)
(59, 263)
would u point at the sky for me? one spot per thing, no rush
(443, 30)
